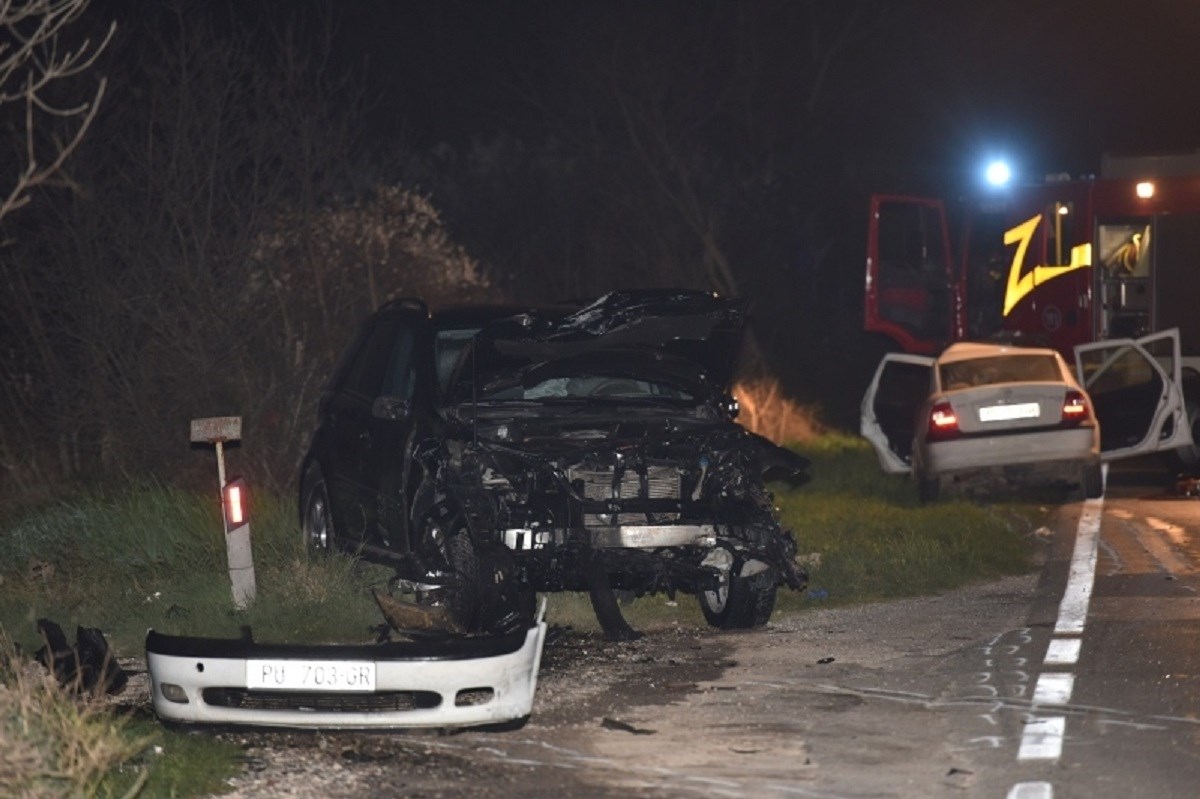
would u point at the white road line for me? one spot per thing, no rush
(1031, 790)
(1072, 611)
(1063, 652)
(1053, 688)
(1043, 738)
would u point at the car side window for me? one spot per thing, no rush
(402, 366)
(366, 373)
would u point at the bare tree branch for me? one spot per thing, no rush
(35, 60)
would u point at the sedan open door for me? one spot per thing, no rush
(889, 409)
(1135, 386)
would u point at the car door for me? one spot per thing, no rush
(910, 294)
(367, 421)
(1135, 387)
(889, 408)
(400, 414)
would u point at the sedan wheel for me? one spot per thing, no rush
(1093, 481)
(928, 488)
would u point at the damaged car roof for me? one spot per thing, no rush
(694, 335)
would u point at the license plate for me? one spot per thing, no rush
(310, 675)
(1005, 413)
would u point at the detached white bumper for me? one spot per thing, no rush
(458, 682)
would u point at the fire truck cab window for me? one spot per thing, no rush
(913, 275)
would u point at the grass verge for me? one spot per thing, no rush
(154, 556)
(864, 535)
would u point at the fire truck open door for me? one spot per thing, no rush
(1135, 387)
(910, 295)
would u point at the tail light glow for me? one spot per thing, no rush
(943, 423)
(1075, 407)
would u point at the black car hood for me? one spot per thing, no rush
(668, 334)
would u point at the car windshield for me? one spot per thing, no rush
(999, 369)
(585, 387)
(448, 346)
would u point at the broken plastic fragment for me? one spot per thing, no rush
(409, 617)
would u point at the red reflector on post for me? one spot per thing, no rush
(234, 502)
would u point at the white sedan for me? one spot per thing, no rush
(1019, 415)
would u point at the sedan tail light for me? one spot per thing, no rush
(1075, 408)
(943, 423)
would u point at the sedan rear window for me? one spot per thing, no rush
(999, 369)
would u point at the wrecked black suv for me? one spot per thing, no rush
(490, 453)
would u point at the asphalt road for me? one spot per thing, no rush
(1079, 680)
(1131, 725)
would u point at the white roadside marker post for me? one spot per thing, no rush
(217, 430)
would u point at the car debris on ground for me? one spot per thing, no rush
(438, 677)
(88, 667)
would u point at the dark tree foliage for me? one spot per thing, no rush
(220, 245)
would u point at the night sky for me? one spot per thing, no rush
(934, 86)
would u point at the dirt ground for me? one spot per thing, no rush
(870, 701)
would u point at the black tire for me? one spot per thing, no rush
(316, 515)
(464, 601)
(740, 603)
(1092, 481)
(604, 601)
(929, 489)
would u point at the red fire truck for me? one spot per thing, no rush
(1101, 268)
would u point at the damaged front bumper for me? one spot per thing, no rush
(446, 682)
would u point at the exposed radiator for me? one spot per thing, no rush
(662, 482)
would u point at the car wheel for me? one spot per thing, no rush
(929, 489)
(1093, 481)
(463, 601)
(740, 603)
(317, 520)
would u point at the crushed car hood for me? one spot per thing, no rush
(693, 334)
(631, 362)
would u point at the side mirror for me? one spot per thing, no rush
(391, 408)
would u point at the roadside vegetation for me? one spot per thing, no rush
(864, 536)
(57, 742)
(153, 556)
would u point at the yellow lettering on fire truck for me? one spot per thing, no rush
(1019, 284)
